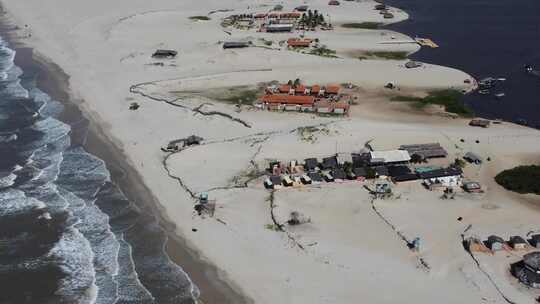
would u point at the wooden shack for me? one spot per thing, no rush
(164, 54)
(495, 243)
(517, 243)
(483, 123)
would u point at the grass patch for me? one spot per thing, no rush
(449, 99)
(323, 52)
(238, 96)
(522, 179)
(385, 55)
(202, 18)
(363, 25)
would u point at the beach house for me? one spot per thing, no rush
(389, 157)
(517, 242)
(495, 243)
(527, 271)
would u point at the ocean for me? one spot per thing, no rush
(68, 234)
(485, 38)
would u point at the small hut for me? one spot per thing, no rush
(473, 158)
(535, 240)
(164, 54)
(495, 243)
(315, 177)
(517, 242)
(310, 164)
(339, 174)
(527, 271)
(329, 163)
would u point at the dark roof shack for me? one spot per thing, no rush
(165, 54)
(431, 150)
(339, 174)
(235, 45)
(315, 176)
(330, 162)
(311, 163)
(450, 171)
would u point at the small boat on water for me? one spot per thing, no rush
(530, 70)
(483, 92)
(500, 95)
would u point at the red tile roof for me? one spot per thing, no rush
(332, 89)
(260, 15)
(300, 89)
(288, 99)
(298, 43)
(315, 89)
(284, 88)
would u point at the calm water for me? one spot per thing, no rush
(67, 233)
(483, 38)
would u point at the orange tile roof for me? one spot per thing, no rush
(288, 99)
(298, 43)
(284, 88)
(332, 89)
(341, 105)
(315, 89)
(300, 88)
(260, 15)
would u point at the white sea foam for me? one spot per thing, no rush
(15, 201)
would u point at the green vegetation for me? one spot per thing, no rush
(363, 25)
(239, 96)
(449, 99)
(522, 179)
(203, 18)
(384, 55)
(458, 162)
(271, 227)
(323, 51)
(312, 19)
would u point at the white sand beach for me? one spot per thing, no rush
(348, 253)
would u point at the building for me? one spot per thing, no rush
(297, 43)
(316, 177)
(360, 172)
(472, 187)
(389, 157)
(286, 180)
(276, 28)
(329, 163)
(327, 177)
(343, 158)
(300, 89)
(495, 243)
(333, 2)
(360, 159)
(483, 123)
(340, 107)
(301, 8)
(535, 240)
(165, 54)
(285, 89)
(527, 271)
(401, 174)
(472, 158)
(310, 164)
(339, 174)
(446, 177)
(431, 150)
(288, 100)
(315, 89)
(517, 243)
(235, 45)
(332, 89)
(381, 171)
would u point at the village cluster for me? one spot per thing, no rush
(277, 21)
(300, 98)
(527, 270)
(392, 165)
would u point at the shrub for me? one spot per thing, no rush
(363, 25)
(522, 179)
(203, 18)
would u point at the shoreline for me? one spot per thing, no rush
(52, 80)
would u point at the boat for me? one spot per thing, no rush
(500, 95)
(530, 70)
(483, 92)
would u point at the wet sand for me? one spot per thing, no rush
(53, 81)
